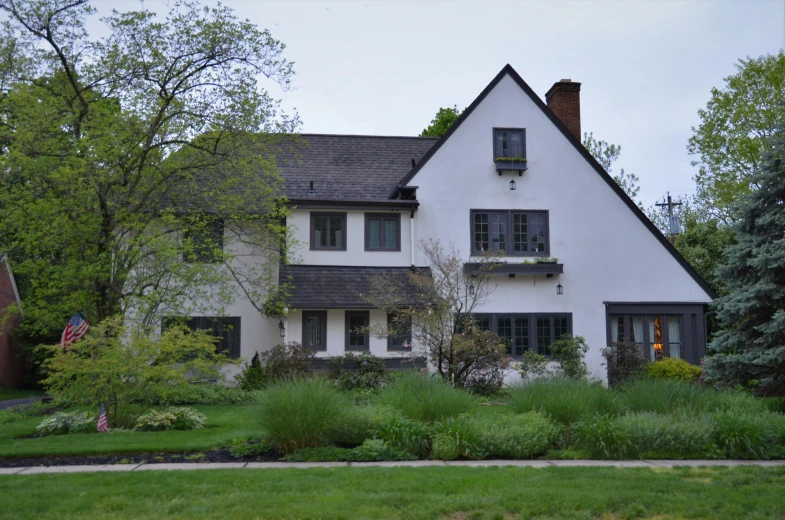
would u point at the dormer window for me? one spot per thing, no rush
(509, 149)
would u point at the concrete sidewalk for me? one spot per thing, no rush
(406, 464)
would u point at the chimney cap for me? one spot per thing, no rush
(567, 80)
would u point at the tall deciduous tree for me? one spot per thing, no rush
(735, 125)
(123, 157)
(606, 154)
(442, 122)
(751, 348)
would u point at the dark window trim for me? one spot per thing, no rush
(205, 323)
(510, 213)
(407, 338)
(692, 323)
(391, 216)
(332, 214)
(323, 316)
(367, 316)
(532, 317)
(523, 139)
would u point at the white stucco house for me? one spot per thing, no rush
(510, 176)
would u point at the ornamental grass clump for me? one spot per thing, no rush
(427, 399)
(657, 436)
(302, 413)
(668, 396)
(564, 400)
(517, 436)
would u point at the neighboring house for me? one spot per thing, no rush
(11, 358)
(510, 176)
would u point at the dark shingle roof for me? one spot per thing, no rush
(338, 287)
(350, 167)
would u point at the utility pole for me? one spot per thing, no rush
(673, 220)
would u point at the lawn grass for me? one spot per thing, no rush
(224, 423)
(429, 492)
(10, 393)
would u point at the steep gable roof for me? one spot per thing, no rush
(508, 70)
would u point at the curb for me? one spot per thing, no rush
(653, 464)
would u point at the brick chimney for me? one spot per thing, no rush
(564, 99)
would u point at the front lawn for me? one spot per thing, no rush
(224, 423)
(429, 492)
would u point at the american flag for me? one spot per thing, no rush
(74, 331)
(102, 424)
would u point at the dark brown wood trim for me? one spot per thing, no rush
(397, 217)
(312, 235)
(323, 316)
(367, 316)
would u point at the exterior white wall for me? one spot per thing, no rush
(607, 252)
(355, 253)
(336, 333)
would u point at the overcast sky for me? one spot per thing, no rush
(646, 66)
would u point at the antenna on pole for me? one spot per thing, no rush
(673, 220)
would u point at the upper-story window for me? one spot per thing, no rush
(510, 232)
(382, 232)
(509, 143)
(206, 242)
(328, 231)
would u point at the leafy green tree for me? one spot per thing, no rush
(750, 351)
(735, 125)
(703, 245)
(444, 119)
(125, 368)
(137, 171)
(606, 154)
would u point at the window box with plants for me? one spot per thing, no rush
(510, 163)
(548, 266)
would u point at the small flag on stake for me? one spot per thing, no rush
(74, 331)
(102, 425)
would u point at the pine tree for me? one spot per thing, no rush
(750, 351)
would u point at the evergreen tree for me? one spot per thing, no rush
(751, 349)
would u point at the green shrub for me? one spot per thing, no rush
(563, 400)
(744, 435)
(320, 454)
(197, 393)
(602, 437)
(248, 448)
(37, 408)
(406, 434)
(252, 376)
(673, 369)
(67, 422)
(360, 423)
(657, 436)
(568, 352)
(517, 436)
(667, 396)
(286, 362)
(533, 365)
(302, 413)
(376, 449)
(458, 436)
(625, 362)
(357, 371)
(427, 399)
(173, 418)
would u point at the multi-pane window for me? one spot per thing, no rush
(509, 142)
(656, 336)
(225, 329)
(521, 332)
(206, 241)
(382, 232)
(328, 231)
(399, 332)
(315, 330)
(357, 323)
(529, 232)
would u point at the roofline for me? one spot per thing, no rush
(4, 258)
(372, 136)
(354, 267)
(580, 148)
(353, 204)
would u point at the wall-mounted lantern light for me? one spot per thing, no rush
(281, 328)
(512, 185)
(471, 290)
(559, 289)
